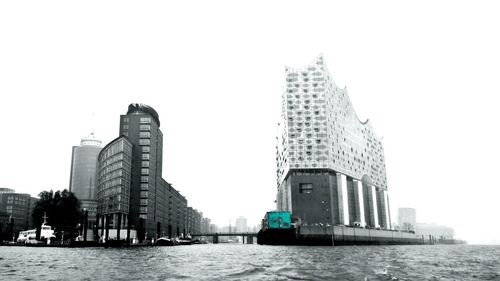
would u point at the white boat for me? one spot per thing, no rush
(29, 236)
(164, 241)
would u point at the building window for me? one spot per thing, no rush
(144, 194)
(145, 164)
(145, 120)
(145, 171)
(143, 209)
(145, 149)
(143, 127)
(144, 134)
(144, 201)
(145, 156)
(305, 188)
(144, 141)
(125, 119)
(144, 178)
(144, 186)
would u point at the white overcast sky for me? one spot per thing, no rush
(425, 73)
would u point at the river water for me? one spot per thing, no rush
(253, 262)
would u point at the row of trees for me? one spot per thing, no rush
(62, 209)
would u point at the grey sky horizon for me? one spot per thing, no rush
(425, 74)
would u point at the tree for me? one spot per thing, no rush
(62, 209)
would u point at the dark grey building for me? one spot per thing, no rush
(5, 227)
(113, 185)
(19, 207)
(131, 190)
(82, 180)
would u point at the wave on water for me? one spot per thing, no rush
(249, 272)
(254, 262)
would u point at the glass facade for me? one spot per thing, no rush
(83, 171)
(113, 178)
(320, 132)
(319, 129)
(130, 170)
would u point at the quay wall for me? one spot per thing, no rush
(342, 235)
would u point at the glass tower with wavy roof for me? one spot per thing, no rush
(330, 165)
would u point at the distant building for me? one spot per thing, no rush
(190, 219)
(407, 219)
(213, 228)
(130, 189)
(6, 190)
(241, 224)
(19, 207)
(330, 165)
(435, 230)
(205, 225)
(197, 216)
(5, 226)
(82, 180)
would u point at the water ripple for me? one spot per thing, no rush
(253, 262)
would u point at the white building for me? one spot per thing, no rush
(241, 224)
(330, 165)
(407, 218)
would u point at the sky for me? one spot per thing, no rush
(425, 73)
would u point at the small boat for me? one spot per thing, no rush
(164, 241)
(185, 240)
(29, 236)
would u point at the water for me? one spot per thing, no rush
(253, 262)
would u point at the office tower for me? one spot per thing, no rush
(19, 207)
(82, 180)
(241, 224)
(330, 165)
(407, 218)
(131, 190)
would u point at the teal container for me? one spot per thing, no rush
(279, 220)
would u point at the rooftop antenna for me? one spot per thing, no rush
(92, 130)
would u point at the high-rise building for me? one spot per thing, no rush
(19, 207)
(82, 180)
(330, 165)
(241, 224)
(131, 190)
(407, 218)
(113, 185)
